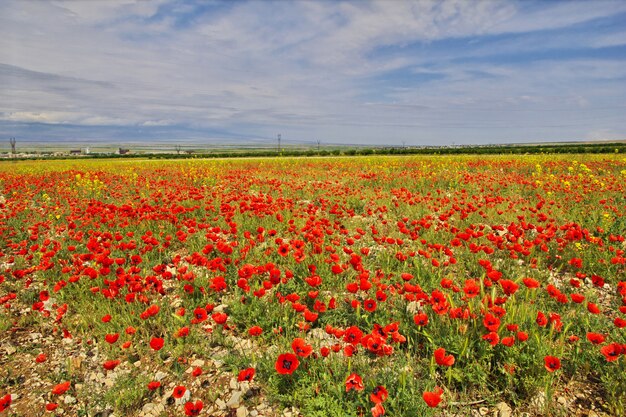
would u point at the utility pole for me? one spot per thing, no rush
(278, 149)
(12, 142)
(318, 146)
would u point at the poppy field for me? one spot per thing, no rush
(364, 286)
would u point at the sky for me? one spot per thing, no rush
(385, 72)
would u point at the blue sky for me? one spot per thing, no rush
(357, 72)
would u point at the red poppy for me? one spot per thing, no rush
(110, 365)
(595, 338)
(509, 287)
(369, 305)
(508, 341)
(593, 308)
(531, 283)
(106, 319)
(153, 385)
(354, 382)
(287, 363)
(5, 402)
(442, 359)
(433, 398)
(378, 410)
(421, 319)
(246, 375)
(552, 363)
(41, 358)
(612, 351)
(156, 343)
(61, 388)
(379, 394)
(492, 338)
(179, 391)
(300, 347)
(219, 318)
(353, 335)
(193, 409)
(541, 320)
(197, 371)
(255, 331)
(199, 315)
(112, 338)
(50, 406)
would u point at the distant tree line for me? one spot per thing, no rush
(567, 148)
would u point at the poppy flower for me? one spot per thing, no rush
(112, 338)
(286, 363)
(612, 351)
(255, 331)
(369, 305)
(442, 359)
(421, 319)
(300, 347)
(552, 363)
(193, 409)
(50, 406)
(156, 343)
(378, 410)
(433, 398)
(179, 391)
(152, 385)
(106, 318)
(61, 388)
(353, 335)
(110, 365)
(41, 358)
(508, 341)
(246, 375)
(492, 338)
(595, 338)
(5, 402)
(219, 318)
(354, 382)
(379, 394)
(197, 371)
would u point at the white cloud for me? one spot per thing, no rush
(306, 66)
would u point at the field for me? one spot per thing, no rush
(400, 286)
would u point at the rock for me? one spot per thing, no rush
(220, 308)
(538, 402)
(159, 376)
(220, 404)
(562, 401)
(69, 400)
(503, 410)
(242, 411)
(147, 408)
(235, 399)
(483, 411)
(197, 363)
(9, 349)
(233, 384)
(253, 413)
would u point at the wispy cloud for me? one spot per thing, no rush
(356, 72)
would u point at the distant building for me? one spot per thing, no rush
(123, 151)
(75, 152)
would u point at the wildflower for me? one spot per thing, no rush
(286, 363)
(156, 343)
(300, 347)
(433, 398)
(179, 391)
(552, 363)
(354, 382)
(246, 375)
(193, 409)
(442, 359)
(379, 394)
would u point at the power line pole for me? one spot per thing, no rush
(278, 149)
(318, 146)
(12, 142)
